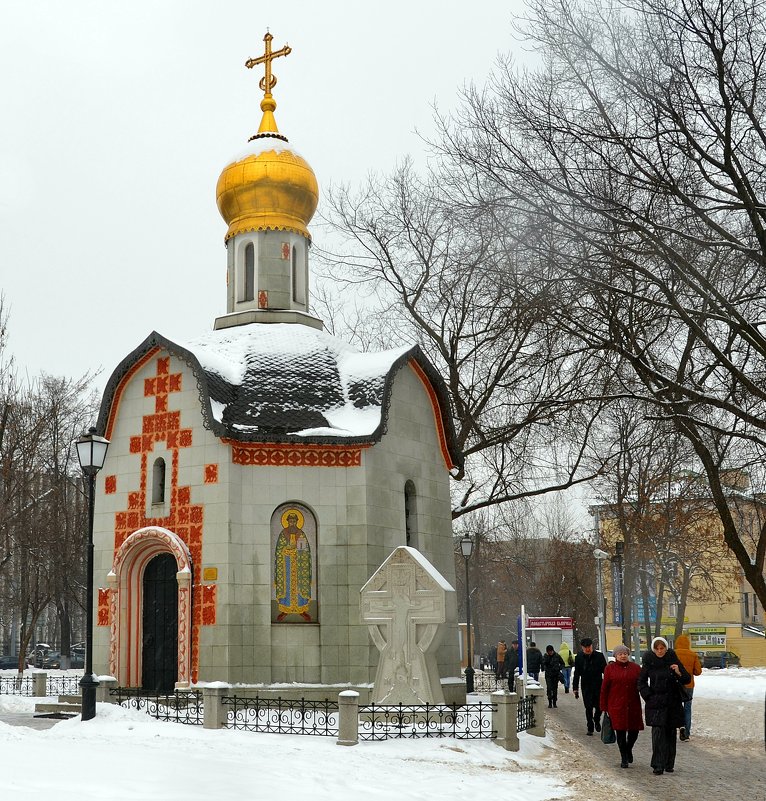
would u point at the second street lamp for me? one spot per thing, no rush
(466, 548)
(600, 556)
(91, 453)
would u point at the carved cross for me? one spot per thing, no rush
(404, 609)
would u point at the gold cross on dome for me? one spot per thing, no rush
(269, 81)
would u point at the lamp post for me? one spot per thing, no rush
(619, 560)
(466, 548)
(91, 453)
(600, 556)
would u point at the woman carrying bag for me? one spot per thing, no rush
(621, 701)
(660, 684)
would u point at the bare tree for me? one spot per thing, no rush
(655, 502)
(632, 164)
(541, 561)
(447, 276)
(42, 514)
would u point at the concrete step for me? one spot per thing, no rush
(54, 710)
(70, 699)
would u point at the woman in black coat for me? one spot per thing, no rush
(662, 677)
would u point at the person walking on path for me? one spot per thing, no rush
(619, 698)
(512, 662)
(662, 676)
(568, 658)
(534, 661)
(492, 657)
(691, 662)
(589, 673)
(502, 648)
(553, 664)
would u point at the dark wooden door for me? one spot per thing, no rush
(160, 621)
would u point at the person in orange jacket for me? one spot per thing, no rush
(691, 662)
(502, 648)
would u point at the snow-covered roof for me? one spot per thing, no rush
(281, 382)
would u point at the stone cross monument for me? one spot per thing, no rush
(404, 607)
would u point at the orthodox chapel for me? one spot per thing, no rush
(259, 474)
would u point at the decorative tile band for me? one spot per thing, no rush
(267, 454)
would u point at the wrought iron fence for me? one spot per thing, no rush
(467, 722)
(63, 685)
(525, 714)
(180, 706)
(487, 682)
(280, 716)
(16, 685)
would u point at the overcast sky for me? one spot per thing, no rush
(117, 119)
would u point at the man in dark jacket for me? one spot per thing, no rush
(553, 664)
(589, 669)
(534, 661)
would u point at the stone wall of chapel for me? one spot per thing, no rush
(299, 652)
(360, 519)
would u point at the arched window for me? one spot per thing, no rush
(158, 481)
(248, 292)
(411, 515)
(298, 278)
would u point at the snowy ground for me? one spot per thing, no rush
(729, 704)
(126, 755)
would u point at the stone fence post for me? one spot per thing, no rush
(505, 719)
(40, 684)
(348, 717)
(538, 730)
(105, 683)
(214, 714)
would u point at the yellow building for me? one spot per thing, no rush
(721, 613)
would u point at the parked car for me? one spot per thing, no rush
(718, 659)
(9, 662)
(52, 660)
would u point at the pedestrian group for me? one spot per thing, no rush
(665, 682)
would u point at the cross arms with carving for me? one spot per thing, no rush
(269, 81)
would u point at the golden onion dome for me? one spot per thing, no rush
(269, 185)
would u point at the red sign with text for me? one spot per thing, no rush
(550, 623)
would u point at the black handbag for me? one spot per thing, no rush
(607, 732)
(684, 693)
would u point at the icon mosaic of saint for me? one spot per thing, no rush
(292, 567)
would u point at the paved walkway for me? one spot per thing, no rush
(705, 768)
(28, 719)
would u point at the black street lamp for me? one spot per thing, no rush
(91, 452)
(619, 561)
(466, 547)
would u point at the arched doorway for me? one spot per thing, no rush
(127, 587)
(159, 657)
